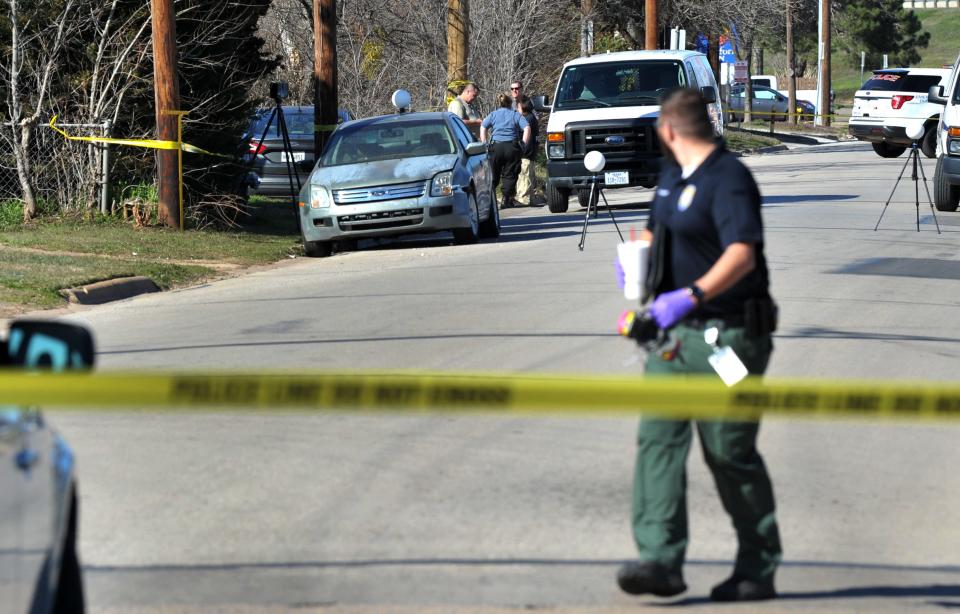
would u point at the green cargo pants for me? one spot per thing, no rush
(660, 480)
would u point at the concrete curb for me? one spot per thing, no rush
(761, 150)
(110, 290)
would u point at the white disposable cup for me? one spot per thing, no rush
(633, 260)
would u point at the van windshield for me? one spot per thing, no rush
(618, 84)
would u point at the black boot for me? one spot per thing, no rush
(640, 577)
(739, 588)
(507, 203)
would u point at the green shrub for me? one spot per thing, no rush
(11, 214)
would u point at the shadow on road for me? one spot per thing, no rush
(826, 333)
(925, 268)
(300, 342)
(801, 198)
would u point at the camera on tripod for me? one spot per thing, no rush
(279, 90)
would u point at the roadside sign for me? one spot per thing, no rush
(727, 55)
(740, 72)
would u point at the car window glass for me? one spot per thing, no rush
(884, 82)
(763, 95)
(919, 83)
(298, 123)
(463, 135)
(693, 75)
(370, 142)
(618, 83)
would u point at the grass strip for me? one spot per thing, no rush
(33, 280)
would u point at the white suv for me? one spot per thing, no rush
(888, 101)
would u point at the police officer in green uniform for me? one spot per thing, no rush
(708, 275)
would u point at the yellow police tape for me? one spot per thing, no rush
(148, 143)
(419, 392)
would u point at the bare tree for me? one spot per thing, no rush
(35, 54)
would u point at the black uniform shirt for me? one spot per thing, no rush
(717, 205)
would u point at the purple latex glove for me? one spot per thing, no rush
(670, 307)
(621, 276)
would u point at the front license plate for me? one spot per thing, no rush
(616, 178)
(298, 156)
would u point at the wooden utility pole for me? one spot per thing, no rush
(458, 39)
(651, 29)
(167, 97)
(325, 95)
(791, 69)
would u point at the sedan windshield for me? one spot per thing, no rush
(618, 84)
(369, 142)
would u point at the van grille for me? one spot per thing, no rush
(614, 141)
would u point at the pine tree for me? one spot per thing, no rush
(880, 27)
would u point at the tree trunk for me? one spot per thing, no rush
(21, 152)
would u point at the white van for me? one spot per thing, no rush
(946, 178)
(609, 103)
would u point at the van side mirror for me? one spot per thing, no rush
(46, 344)
(709, 94)
(935, 95)
(541, 103)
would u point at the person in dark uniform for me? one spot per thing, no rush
(510, 136)
(709, 277)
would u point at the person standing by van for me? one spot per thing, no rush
(509, 135)
(527, 180)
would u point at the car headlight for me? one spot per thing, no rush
(319, 199)
(442, 184)
(557, 151)
(953, 147)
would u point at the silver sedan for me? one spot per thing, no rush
(398, 174)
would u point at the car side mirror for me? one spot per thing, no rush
(476, 148)
(541, 103)
(709, 94)
(935, 95)
(46, 344)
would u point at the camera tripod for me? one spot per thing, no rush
(596, 192)
(915, 158)
(278, 91)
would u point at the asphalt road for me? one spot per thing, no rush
(441, 513)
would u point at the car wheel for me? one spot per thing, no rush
(558, 199)
(928, 145)
(946, 197)
(886, 150)
(470, 234)
(490, 227)
(317, 249)
(69, 597)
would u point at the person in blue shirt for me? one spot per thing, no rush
(509, 136)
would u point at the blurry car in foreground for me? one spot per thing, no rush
(39, 567)
(263, 151)
(766, 102)
(891, 99)
(399, 174)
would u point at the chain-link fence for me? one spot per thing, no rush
(65, 175)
